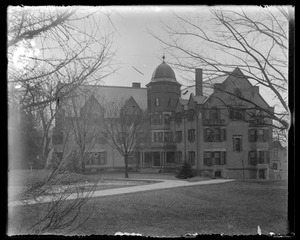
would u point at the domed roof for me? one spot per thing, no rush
(163, 72)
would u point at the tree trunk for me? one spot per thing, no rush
(126, 166)
(82, 165)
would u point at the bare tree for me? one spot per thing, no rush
(51, 45)
(56, 197)
(84, 119)
(126, 128)
(253, 39)
(51, 51)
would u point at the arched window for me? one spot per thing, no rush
(156, 103)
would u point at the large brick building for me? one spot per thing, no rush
(214, 130)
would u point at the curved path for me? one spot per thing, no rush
(161, 184)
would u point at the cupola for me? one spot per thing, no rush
(163, 73)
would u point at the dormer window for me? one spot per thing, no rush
(214, 114)
(169, 101)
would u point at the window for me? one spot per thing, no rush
(159, 119)
(191, 135)
(207, 159)
(160, 136)
(252, 135)
(155, 119)
(178, 157)
(260, 135)
(267, 157)
(171, 137)
(236, 113)
(237, 143)
(169, 101)
(217, 158)
(166, 118)
(166, 137)
(214, 158)
(275, 166)
(156, 103)
(214, 134)
(217, 134)
(208, 134)
(214, 114)
(260, 157)
(154, 136)
(191, 114)
(178, 136)
(191, 158)
(252, 158)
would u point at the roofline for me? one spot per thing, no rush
(245, 78)
(159, 82)
(217, 77)
(110, 86)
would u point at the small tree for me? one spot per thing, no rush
(185, 171)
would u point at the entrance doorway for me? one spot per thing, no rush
(156, 159)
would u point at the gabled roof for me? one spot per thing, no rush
(131, 103)
(199, 99)
(181, 104)
(109, 94)
(92, 105)
(196, 99)
(235, 74)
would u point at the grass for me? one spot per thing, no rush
(19, 180)
(233, 208)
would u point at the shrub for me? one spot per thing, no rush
(185, 171)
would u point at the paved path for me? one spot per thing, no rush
(162, 184)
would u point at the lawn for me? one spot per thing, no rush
(20, 180)
(232, 208)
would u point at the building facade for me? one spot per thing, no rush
(215, 130)
(278, 160)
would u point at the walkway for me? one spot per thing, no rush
(161, 184)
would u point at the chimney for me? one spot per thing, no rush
(136, 85)
(199, 82)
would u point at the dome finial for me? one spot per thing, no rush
(163, 57)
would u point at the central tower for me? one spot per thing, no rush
(163, 92)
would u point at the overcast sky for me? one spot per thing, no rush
(136, 47)
(138, 51)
